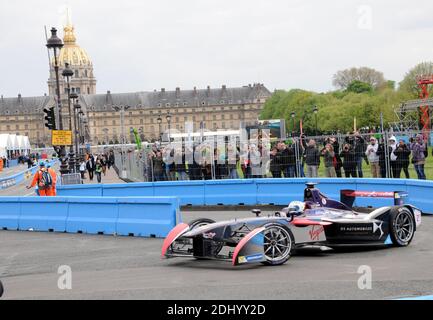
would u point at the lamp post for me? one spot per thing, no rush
(55, 43)
(159, 120)
(315, 110)
(77, 108)
(122, 128)
(168, 117)
(68, 73)
(292, 115)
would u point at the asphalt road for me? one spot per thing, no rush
(107, 267)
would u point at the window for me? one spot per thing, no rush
(185, 110)
(141, 121)
(222, 117)
(185, 118)
(78, 90)
(177, 119)
(17, 127)
(77, 74)
(105, 122)
(184, 103)
(214, 117)
(231, 117)
(130, 113)
(224, 125)
(94, 123)
(8, 127)
(159, 104)
(167, 104)
(114, 122)
(203, 103)
(26, 127)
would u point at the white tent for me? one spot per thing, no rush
(15, 143)
(27, 146)
(5, 144)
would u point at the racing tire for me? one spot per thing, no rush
(279, 244)
(200, 222)
(1, 289)
(401, 226)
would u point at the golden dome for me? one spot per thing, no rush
(72, 53)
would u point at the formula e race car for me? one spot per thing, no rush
(317, 221)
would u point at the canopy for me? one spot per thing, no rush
(15, 143)
(6, 142)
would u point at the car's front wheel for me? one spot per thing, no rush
(279, 243)
(402, 226)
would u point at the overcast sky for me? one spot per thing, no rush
(141, 45)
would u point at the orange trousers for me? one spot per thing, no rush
(46, 192)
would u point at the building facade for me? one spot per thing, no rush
(210, 108)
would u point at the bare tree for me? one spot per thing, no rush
(343, 78)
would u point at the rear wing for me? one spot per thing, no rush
(348, 196)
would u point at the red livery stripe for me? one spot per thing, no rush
(175, 233)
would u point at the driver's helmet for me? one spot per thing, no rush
(296, 207)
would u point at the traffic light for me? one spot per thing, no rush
(50, 118)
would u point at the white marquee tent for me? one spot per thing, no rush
(14, 143)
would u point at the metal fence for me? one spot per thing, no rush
(342, 155)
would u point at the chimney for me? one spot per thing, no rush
(224, 87)
(208, 91)
(162, 90)
(177, 92)
(108, 92)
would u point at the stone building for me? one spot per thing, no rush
(212, 108)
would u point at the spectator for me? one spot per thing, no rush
(180, 164)
(392, 156)
(373, 157)
(90, 166)
(418, 149)
(98, 170)
(255, 160)
(312, 159)
(382, 161)
(402, 152)
(82, 169)
(274, 166)
(328, 155)
(158, 166)
(338, 164)
(232, 162)
(358, 145)
(349, 163)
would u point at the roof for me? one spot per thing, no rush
(20, 105)
(178, 97)
(143, 99)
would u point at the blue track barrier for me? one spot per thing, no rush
(92, 215)
(138, 216)
(148, 217)
(135, 189)
(88, 190)
(43, 213)
(9, 213)
(230, 192)
(189, 192)
(265, 191)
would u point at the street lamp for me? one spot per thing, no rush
(55, 43)
(159, 120)
(315, 110)
(77, 108)
(292, 115)
(68, 73)
(168, 117)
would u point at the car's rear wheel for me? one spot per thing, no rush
(402, 226)
(279, 243)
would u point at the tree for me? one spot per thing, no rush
(359, 87)
(410, 81)
(343, 78)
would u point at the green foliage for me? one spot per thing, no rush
(359, 87)
(409, 83)
(336, 109)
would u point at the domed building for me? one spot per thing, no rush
(83, 80)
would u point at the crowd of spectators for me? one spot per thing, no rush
(340, 157)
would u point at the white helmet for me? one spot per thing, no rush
(296, 207)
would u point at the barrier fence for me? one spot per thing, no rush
(259, 191)
(338, 155)
(132, 216)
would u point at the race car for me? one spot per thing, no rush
(316, 221)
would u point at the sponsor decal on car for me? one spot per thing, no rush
(242, 259)
(364, 228)
(378, 226)
(254, 257)
(315, 232)
(209, 235)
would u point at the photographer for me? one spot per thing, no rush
(402, 152)
(328, 155)
(373, 157)
(349, 163)
(358, 145)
